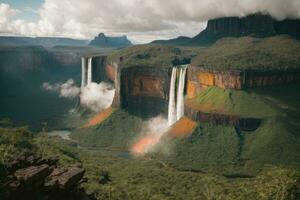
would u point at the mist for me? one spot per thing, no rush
(96, 97)
(150, 135)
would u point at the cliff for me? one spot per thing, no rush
(181, 40)
(256, 25)
(110, 42)
(144, 90)
(253, 25)
(289, 26)
(199, 78)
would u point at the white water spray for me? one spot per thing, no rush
(89, 73)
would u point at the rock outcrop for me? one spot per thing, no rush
(30, 176)
(110, 42)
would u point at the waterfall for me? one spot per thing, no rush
(89, 73)
(172, 105)
(180, 94)
(176, 109)
(83, 72)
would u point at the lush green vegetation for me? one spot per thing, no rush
(118, 131)
(138, 178)
(278, 52)
(235, 102)
(153, 55)
(228, 150)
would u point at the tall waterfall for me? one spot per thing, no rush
(180, 93)
(172, 105)
(176, 109)
(83, 72)
(89, 73)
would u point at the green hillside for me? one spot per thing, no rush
(278, 52)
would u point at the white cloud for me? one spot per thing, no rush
(141, 20)
(94, 96)
(97, 97)
(67, 89)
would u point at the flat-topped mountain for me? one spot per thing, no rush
(256, 25)
(110, 42)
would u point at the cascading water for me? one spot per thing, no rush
(89, 73)
(83, 72)
(180, 94)
(172, 105)
(176, 109)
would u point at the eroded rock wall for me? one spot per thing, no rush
(199, 78)
(145, 90)
(246, 124)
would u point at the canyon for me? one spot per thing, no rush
(146, 90)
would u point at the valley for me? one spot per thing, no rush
(214, 119)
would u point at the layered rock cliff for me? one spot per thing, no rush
(253, 25)
(199, 78)
(144, 89)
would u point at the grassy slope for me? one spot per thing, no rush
(226, 150)
(233, 102)
(279, 52)
(117, 131)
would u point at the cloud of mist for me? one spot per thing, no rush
(94, 96)
(97, 96)
(140, 20)
(67, 89)
(151, 134)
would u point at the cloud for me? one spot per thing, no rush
(67, 89)
(139, 19)
(97, 97)
(94, 96)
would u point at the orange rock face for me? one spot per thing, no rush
(191, 89)
(148, 86)
(110, 72)
(182, 128)
(99, 118)
(206, 78)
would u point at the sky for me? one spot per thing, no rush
(141, 20)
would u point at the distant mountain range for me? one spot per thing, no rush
(41, 41)
(256, 25)
(110, 42)
(101, 41)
